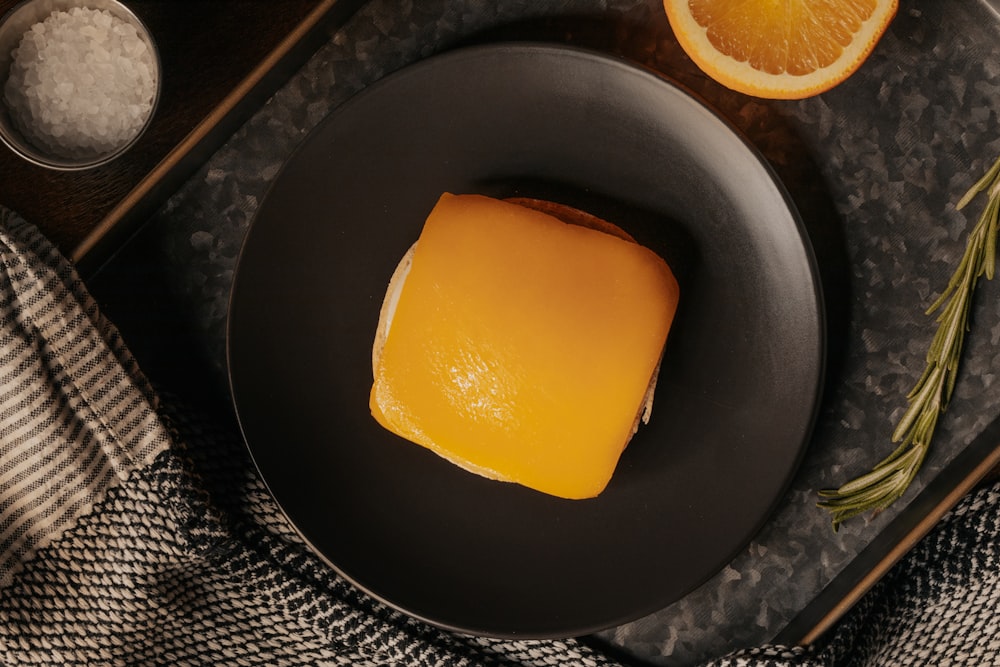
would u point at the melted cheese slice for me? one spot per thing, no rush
(521, 347)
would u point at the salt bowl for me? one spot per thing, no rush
(79, 81)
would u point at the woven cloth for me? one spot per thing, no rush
(940, 606)
(132, 533)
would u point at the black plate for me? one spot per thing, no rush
(738, 389)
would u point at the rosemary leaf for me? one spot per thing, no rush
(888, 480)
(929, 394)
(991, 237)
(988, 180)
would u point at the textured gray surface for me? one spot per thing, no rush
(874, 165)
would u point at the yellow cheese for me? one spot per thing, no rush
(521, 347)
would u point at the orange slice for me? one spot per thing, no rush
(779, 49)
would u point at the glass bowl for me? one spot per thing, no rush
(19, 137)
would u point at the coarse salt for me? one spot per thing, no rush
(82, 83)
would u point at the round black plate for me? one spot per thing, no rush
(738, 388)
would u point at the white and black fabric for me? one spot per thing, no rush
(939, 607)
(132, 533)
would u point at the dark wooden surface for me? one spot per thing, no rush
(208, 47)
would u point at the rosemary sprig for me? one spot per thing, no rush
(889, 479)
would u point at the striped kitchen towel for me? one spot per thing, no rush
(78, 417)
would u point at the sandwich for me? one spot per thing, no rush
(521, 340)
